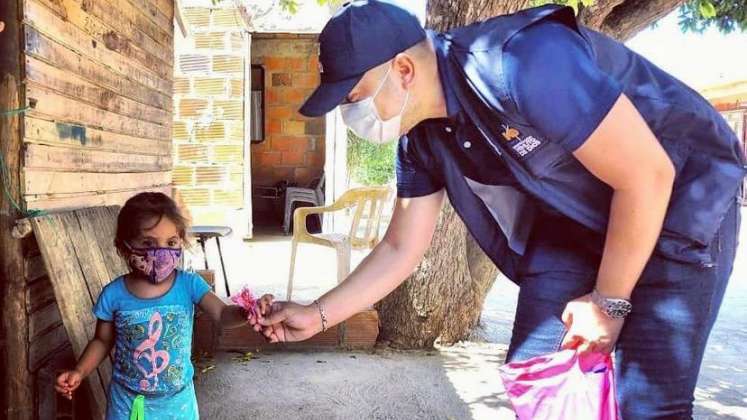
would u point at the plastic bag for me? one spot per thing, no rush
(562, 386)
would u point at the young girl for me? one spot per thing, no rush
(148, 314)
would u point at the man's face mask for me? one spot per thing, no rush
(156, 264)
(363, 118)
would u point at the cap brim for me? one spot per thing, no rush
(327, 96)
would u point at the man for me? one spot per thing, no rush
(570, 159)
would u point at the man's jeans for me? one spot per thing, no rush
(661, 345)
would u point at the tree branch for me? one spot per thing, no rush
(632, 16)
(593, 16)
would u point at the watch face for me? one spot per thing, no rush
(617, 308)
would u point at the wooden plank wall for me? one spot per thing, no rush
(98, 78)
(98, 81)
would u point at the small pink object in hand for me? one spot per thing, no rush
(246, 300)
(562, 386)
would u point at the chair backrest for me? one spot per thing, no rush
(368, 205)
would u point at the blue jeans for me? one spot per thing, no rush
(661, 345)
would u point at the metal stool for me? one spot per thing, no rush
(204, 233)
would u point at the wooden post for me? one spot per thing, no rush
(16, 389)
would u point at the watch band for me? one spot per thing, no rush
(614, 308)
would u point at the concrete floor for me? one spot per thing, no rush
(459, 382)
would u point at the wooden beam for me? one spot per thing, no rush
(90, 200)
(61, 134)
(62, 81)
(50, 51)
(17, 384)
(46, 103)
(62, 160)
(40, 182)
(47, 22)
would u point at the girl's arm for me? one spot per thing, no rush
(97, 349)
(228, 316)
(95, 352)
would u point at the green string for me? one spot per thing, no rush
(138, 408)
(5, 175)
(15, 111)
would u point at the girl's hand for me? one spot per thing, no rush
(589, 329)
(68, 382)
(288, 321)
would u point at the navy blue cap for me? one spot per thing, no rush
(359, 37)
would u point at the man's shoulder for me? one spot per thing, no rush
(496, 31)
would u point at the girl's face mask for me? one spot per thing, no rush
(155, 263)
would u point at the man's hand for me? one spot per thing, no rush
(589, 329)
(68, 382)
(288, 322)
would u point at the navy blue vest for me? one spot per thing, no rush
(704, 150)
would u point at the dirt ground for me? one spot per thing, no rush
(454, 383)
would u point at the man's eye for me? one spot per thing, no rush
(173, 244)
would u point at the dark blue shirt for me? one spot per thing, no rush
(553, 82)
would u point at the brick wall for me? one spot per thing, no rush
(294, 145)
(208, 130)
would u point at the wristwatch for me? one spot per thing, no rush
(614, 308)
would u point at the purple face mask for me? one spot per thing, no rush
(156, 264)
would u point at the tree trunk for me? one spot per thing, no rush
(443, 298)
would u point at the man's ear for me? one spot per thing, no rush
(405, 66)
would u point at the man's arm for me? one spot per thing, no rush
(625, 154)
(386, 267)
(391, 262)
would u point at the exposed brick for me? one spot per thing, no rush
(315, 127)
(179, 131)
(231, 109)
(214, 132)
(286, 143)
(295, 96)
(304, 49)
(268, 159)
(273, 97)
(197, 17)
(294, 128)
(303, 176)
(233, 153)
(273, 64)
(193, 63)
(192, 153)
(181, 86)
(233, 198)
(281, 79)
(283, 174)
(192, 107)
(311, 147)
(210, 40)
(274, 126)
(210, 175)
(228, 64)
(182, 175)
(195, 196)
(316, 160)
(297, 64)
(294, 158)
(210, 86)
(305, 80)
(280, 112)
(237, 88)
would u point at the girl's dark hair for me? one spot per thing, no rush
(141, 208)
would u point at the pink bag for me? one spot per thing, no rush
(562, 386)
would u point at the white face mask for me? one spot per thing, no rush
(364, 120)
